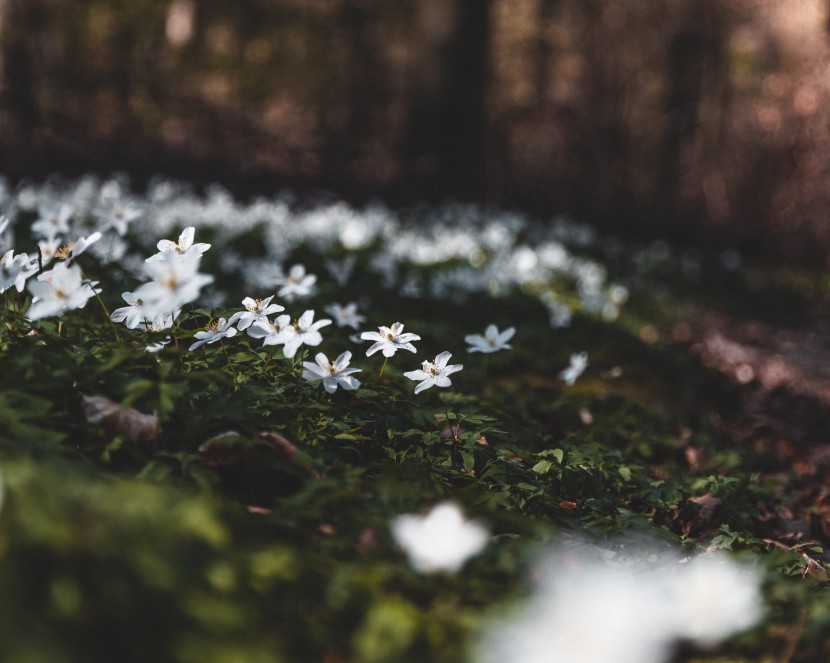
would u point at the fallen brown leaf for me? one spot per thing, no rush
(116, 419)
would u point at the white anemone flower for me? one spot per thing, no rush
(159, 322)
(584, 613)
(333, 374)
(183, 247)
(271, 333)
(578, 364)
(47, 249)
(176, 281)
(74, 249)
(255, 310)
(157, 346)
(434, 373)
(703, 601)
(52, 222)
(115, 211)
(715, 597)
(491, 341)
(131, 315)
(297, 284)
(304, 331)
(215, 331)
(60, 289)
(441, 540)
(389, 340)
(14, 270)
(345, 316)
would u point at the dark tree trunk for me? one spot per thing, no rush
(20, 23)
(446, 147)
(695, 54)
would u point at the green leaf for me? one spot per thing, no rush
(542, 467)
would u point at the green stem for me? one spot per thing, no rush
(104, 307)
(385, 359)
(230, 363)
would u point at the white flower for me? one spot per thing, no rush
(255, 310)
(434, 373)
(441, 540)
(297, 284)
(579, 363)
(111, 249)
(215, 331)
(704, 601)
(303, 332)
(586, 612)
(345, 316)
(390, 340)
(159, 322)
(158, 346)
(115, 212)
(183, 247)
(271, 333)
(14, 270)
(176, 281)
(60, 289)
(491, 341)
(52, 222)
(75, 249)
(715, 597)
(333, 374)
(47, 249)
(132, 315)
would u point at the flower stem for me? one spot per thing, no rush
(104, 307)
(230, 363)
(385, 359)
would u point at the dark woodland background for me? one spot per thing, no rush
(697, 120)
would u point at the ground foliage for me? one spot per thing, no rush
(253, 523)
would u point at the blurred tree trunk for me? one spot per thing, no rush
(446, 146)
(544, 50)
(695, 54)
(20, 22)
(350, 144)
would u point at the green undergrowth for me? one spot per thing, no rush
(254, 527)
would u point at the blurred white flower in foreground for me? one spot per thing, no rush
(60, 289)
(579, 362)
(175, 281)
(492, 341)
(441, 540)
(624, 610)
(333, 374)
(14, 270)
(714, 597)
(435, 372)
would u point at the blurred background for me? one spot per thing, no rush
(695, 120)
